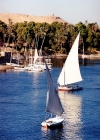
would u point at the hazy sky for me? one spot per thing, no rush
(72, 11)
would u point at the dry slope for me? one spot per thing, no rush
(22, 17)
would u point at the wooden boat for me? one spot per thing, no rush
(70, 74)
(53, 105)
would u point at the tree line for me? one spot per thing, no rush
(56, 37)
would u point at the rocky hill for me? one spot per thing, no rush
(22, 17)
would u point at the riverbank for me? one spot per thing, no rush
(89, 56)
(5, 67)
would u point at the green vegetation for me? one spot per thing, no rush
(59, 37)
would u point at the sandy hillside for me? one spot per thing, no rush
(22, 17)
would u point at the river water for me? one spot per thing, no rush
(23, 99)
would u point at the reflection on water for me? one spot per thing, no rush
(84, 62)
(58, 62)
(72, 125)
(23, 101)
(52, 134)
(72, 104)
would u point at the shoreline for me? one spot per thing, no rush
(90, 56)
(4, 67)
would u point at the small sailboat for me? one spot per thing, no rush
(13, 61)
(19, 67)
(70, 73)
(40, 58)
(33, 67)
(53, 105)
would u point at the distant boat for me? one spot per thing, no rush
(33, 67)
(14, 61)
(39, 60)
(53, 105)
(19, 67)
(70, 73)
(38, 64)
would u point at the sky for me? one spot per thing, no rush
(72, 11)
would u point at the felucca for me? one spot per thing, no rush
(53, 104)
(70, 73)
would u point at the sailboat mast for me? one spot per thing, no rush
(40, 54)
(31, 56)
(17, 56)
(11, 56)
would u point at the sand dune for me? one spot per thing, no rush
(22, 17)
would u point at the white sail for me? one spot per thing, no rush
(71, 72)
(35, 55)
(53, 104)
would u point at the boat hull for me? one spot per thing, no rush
(42, 65)
(35, 69)
(69, 88)
(53, 122)
(12, 64)
(19, 68)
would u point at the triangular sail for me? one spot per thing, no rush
(31, 57)
(53, 104)
(71, 71)
(35, 55)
